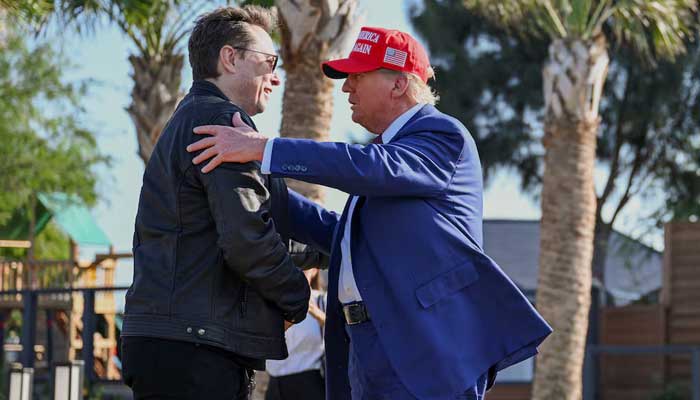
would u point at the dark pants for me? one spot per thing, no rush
(167, 369)
(307, 385)
(373, 378)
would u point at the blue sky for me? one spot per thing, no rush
(102, 57)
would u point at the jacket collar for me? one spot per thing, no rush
(427, 110)
(399, 123)
(204, 87)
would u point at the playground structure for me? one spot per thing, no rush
(68, 307)
(52, 296)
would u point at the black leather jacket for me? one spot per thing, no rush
(211, 251)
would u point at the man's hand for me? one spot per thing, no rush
(317, 313)
(287, 325)
(239, 143)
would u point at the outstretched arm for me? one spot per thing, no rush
(421, 164)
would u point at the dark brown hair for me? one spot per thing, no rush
(224, 26)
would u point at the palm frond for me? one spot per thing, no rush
(37, 14)
(79, 13)
(524, 17)
(180, 25)
(578, 18)
(656, 29)
(29, 11)
(155, 27)
(600, 14)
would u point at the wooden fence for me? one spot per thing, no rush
(681, 293)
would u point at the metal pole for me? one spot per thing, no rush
(2, 337)
(696, 373)
(27, 383)
(28, 327)
(14, 382)
(49, 337)
(88, 332)
(77, 375)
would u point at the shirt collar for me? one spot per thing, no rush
(399, 122)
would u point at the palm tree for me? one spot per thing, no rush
(574, 75)
(25, 10)
(75, 14)
(311, 32)
(157, 31)
(156, 28)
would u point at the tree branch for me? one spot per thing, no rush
(641, 156)
(615, 164)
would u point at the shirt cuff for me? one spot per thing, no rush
(267, 157)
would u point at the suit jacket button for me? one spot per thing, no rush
(297, 168)
(303, 169)
(189, 329)
(201, 332)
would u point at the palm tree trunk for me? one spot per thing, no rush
(154, 97)
(307, 109)
(573, 81)
(312, 32)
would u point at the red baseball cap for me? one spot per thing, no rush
(377, 48)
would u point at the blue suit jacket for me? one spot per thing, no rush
(444, 311)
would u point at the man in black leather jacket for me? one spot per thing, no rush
(214, 283)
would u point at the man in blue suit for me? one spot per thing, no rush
(415, 307)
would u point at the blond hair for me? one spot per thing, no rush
(420, 91)
(417, 90)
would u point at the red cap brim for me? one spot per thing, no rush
(339, 69)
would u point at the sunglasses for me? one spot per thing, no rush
(275, 57)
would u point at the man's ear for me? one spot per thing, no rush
(400, 86)
(227, 59)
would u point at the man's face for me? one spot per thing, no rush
(369, 93)
(254, 75)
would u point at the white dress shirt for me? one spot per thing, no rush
(347, 287)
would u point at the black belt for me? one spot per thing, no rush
(355, 313)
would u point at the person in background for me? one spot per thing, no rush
(300, 376)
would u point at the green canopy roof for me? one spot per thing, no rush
(70, 214)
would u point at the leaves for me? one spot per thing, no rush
(77, 14)
(656, 29)
(154, 26)
(157, 28)
(491, 81)
(650, 131)
(43, 146)
(523, 17)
